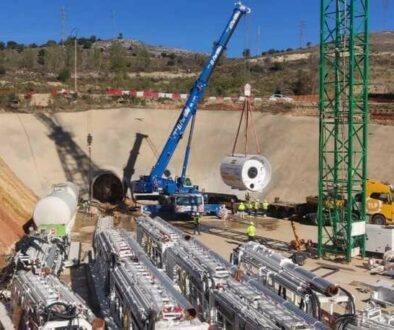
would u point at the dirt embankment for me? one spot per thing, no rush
(16, 206)
(43, 152)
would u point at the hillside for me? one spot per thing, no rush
(129, 64)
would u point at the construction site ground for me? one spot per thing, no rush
(222, 237)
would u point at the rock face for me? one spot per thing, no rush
(16, 207)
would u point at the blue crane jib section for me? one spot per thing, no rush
(155, 181)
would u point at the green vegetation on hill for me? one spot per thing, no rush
(130, 64)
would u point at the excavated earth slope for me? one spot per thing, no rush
(43, 152)
(16, 206)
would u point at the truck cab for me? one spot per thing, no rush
(178, 205)
(187, 203)
(380, 202)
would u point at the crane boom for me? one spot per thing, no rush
(154, 181)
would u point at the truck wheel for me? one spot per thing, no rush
(378, 219)
(282, 213)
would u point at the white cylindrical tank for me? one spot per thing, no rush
(246, 172)
(58, 207)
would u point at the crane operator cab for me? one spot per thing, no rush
(184, 183)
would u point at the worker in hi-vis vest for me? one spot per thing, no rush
(256, 207)
(249, 207)
(241, 210)
(196, 222)
(265, 208)
(251, 232)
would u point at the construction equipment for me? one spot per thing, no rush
(159, 180)
(343, 147)
(300, 246)
(47, 303)
(211, 284)
(304, 289)
(379, 202)
(37, 252)
(139, 295)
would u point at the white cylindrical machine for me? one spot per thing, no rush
(246, 172)
(58, 207)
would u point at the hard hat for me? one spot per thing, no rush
(252, 223)
(197, 213)
(265, 201)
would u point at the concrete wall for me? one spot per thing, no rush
(290, 143)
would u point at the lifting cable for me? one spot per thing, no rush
(247, 118)
(246, 114)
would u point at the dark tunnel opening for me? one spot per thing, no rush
(107, 188)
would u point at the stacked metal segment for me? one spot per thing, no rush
(208, 281)
(140, 296)
(156, 237)
(49, 304)
(296, 284)
(372, 317)
(36, 253)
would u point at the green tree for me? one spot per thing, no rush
(97, 59)
(303, 83)
(41, 56)
(142, 59)
(12, 44)
(54, 58)
(118, 61)
(246, 53)
(28, 59)
(64, 75)
(50, 43)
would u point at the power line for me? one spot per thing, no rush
(258, 41)
(114, 28)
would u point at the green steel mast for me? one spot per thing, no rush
(343, 127)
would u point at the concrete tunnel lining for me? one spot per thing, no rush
(107, 187)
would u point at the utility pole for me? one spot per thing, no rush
(301, 27)
(89, 141)
(75, 65)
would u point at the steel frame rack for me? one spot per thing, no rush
(206, 279)
(343, 138)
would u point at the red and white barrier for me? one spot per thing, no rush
(173, 96)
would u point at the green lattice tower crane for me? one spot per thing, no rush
(343, 127)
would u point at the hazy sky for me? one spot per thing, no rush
(190, 24)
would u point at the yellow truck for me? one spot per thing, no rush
(380, 202)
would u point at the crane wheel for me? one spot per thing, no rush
(379, 219)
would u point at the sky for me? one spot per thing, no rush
(188, 24)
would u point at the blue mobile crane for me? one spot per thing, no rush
(159, 181)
